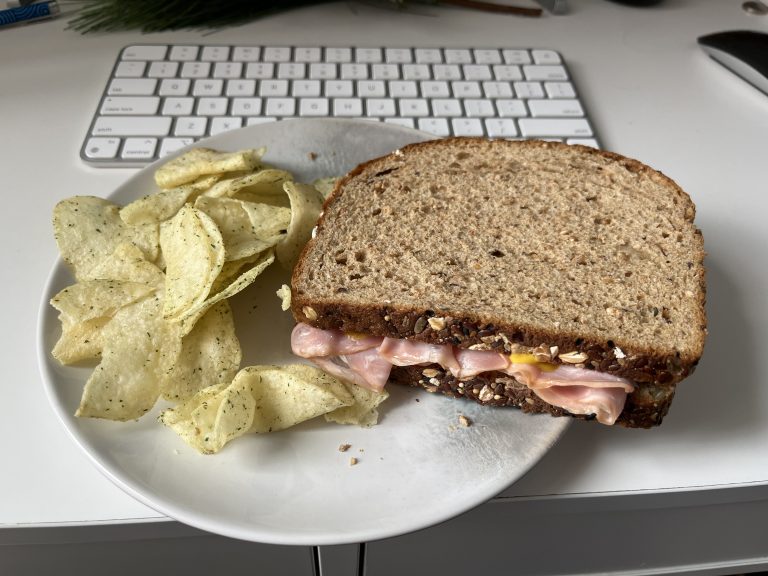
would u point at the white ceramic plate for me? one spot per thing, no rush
(416, 468)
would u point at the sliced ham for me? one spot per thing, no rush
(367, 362)
(605, 403)
(409, 353)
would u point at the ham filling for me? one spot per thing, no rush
(368, 360)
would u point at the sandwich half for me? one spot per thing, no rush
(553, 278)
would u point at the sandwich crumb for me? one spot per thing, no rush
(344, 447)
(464, 421)
(352, 461)
(312, 156)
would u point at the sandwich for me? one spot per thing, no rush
(549, 277)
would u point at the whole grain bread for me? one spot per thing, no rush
(515, 246)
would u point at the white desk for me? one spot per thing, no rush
(652, 94)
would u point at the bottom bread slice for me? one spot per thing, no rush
(645, 407)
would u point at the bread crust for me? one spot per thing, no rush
(655, 371)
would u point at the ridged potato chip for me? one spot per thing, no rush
(193, 250)
(128, 263)
(264, 186)
(363, 411)
(199, 162)
(210, 355)
(306, 205)
(139, 348)
(89, 229)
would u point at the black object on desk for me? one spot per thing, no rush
(743, 52)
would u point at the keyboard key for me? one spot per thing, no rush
(246, 106)
(497, 90)
(273, 88)
(416, 72)
(131, 126)
(584, 142)
(560, 90)
(458, 56)
(277, 54)
(414, 107)
(184, 53)
(476, 108)
(446, 107)
(163, 69)
(545, 57)
(241, 87)
(314, 107)
(477, 72)
(385, 72)
(139, 148)
(307, 88)
(132, 86)
(500, 127)
(407, 122)
(507, 72)
(144, 52)
(212, 106)
(544, 127)
(487, 56)
(403, 89)
(225, 124)
(130, 69)
(263, 70)
(178, 106)
(195, 69)
(368, 55)
(529, 90)
(123, 105)
(228, 70)
(371, 88)
(516, 56)
(339, 88)
(175, 87)
(467, 127)
(398, 55)
(322, 71)
(338, 54)
(348, 107)
(190, 126)
(215, 54)
(436, 126)
(540, 73)
(446, 72)
(354, 71)
(101, 148)
(555, 108)
(280, 107)
(313, 54)
(435, 89)
(171, 145)
(429, 56)
(514, 108)
(208, 87)
(376, 107)
(463, 89)
(291, 70)
(246, 54)
(260, 120)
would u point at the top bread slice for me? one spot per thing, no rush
(494, 244)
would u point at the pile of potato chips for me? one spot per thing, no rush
(150, 300)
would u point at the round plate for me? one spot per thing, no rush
(416, 468)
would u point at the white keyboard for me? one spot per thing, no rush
(160, 98)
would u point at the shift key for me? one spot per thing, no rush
(131, 126)
(554, 127)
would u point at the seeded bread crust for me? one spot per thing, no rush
(655, 368)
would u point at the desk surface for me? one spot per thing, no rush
(652, 94)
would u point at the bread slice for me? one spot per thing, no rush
(496, 244)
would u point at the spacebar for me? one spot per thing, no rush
(551, 127)
(131, 126)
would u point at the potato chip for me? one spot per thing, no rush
(199, 162)
(240, 282)
(96, 298)
(363, 412)
(325, 185)
(80, 341)
(306, 205)
(246, 229)
(194, 254)
(139, 348)
(89, 229)
(210, 355)
(128, 263)
(263, 186)
(213, 416)
(284, 293)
